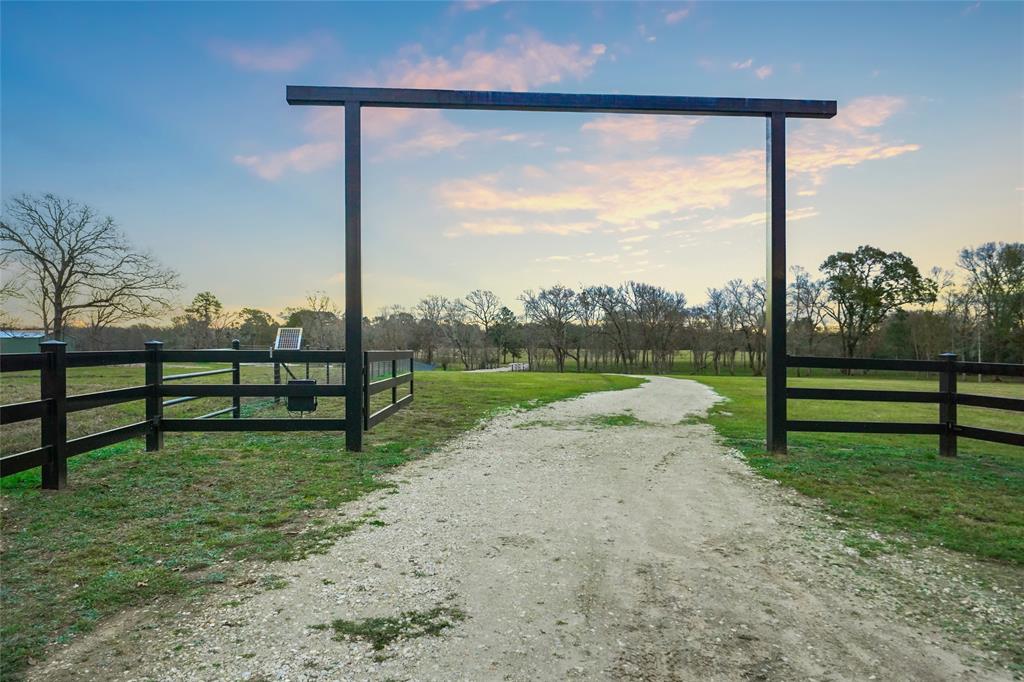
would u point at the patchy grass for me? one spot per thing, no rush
(135, 526)
(608, 420)
(382, 631)
(894, 484)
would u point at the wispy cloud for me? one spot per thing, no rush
(869, 112)
(268, 58)
(716, 224)
(677, 15)
(492, 228)
(971, 8)
(638, 194)
(472, 5)
(520, 62)
(642, 127)
(763, 71)
(305, 158)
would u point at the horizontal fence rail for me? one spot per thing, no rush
(399, 375)
(383, 370)
(947, 398)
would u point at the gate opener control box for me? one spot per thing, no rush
(302, 403)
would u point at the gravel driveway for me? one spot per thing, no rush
(597, 538)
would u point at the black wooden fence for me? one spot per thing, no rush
(53, 361)
(947, 397)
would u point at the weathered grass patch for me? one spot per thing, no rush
(383, 631)
(610, 420)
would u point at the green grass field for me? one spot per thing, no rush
(134, 526)
(894, 484)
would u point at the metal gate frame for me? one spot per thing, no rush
(775, 111)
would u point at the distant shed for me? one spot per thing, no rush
(21, 340)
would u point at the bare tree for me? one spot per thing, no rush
(463, 337)
(553, 311)
(747, 304)
(75, 262)
(431, 312)
(10, 288)
(996, 282)
(482, 308)
(589, 317)
(807, 299)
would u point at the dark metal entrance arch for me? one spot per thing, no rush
(775, 111)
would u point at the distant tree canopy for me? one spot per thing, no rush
(256, 327)
(72, 264)
(868, 284)
(996, 285)
(866, 302)
(204, 323)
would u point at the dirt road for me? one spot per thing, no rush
(566, 542)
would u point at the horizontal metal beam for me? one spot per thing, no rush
(102, 358)
(865, 427)
(866, 363)
(253, 390)
(191, 356)
(21, 362)
(553, 101)
(995, 401)
(995, 368)
(104, 438)
(990, 435)
(384, 384)
(865, 395)
(178, 401)
(193, 375)
(382, 414)
(282, 424)
(12, 464)
(381, 355)
(87, 401)
(215, 413)
(19, 412)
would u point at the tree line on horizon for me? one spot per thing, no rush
(80, 276)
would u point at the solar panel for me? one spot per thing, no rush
(288, 338)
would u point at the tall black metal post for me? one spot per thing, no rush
(154, 398)
(353, 282)
(236, 378)
(53, 429)
(775, 398)
(947, 408)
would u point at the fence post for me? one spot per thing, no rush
(236, 378)
(53, 386)
(366, 392)
(947, 408)
(394, 387)
(412, 365)
(277, 380)
(154, 400)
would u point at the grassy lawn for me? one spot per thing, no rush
(134, 526)
(894, 484)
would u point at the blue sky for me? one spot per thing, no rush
(172, 118)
